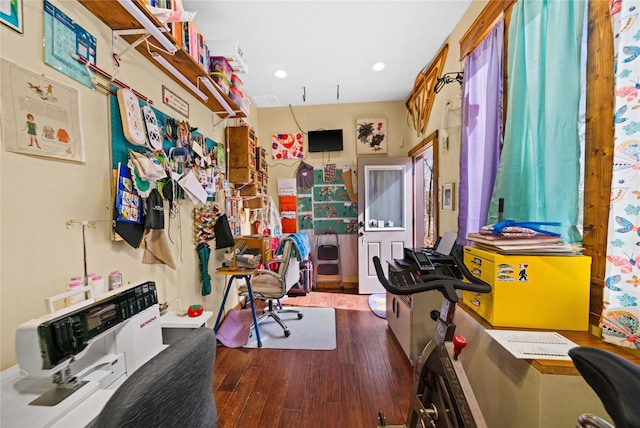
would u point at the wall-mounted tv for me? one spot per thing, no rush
(329, 140)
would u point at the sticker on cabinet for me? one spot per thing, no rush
(523, 275)
(505, 272)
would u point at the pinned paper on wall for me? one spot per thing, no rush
(287, 187)
(40, 116)
(193, 188)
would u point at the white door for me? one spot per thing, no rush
(385, 215)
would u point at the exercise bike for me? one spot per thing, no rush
(443, 396)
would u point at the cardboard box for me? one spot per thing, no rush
(259, 243)
(546, 292)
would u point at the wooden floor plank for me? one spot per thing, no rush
(346, 387)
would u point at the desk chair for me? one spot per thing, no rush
(271, 285)
(173, 389)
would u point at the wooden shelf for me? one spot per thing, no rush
(116, 17)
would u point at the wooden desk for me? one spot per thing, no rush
(526, 393)
(239, 273)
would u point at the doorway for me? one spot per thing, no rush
(425, 205)
(385, 217)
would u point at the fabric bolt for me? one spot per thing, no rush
(539, 168)
(481, 131)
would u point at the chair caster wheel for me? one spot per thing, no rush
(300, 316)
(287, 333)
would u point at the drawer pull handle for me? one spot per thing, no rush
(475, 302)
(477, 261)
(476, 271)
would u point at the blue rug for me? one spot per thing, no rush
(378, 305)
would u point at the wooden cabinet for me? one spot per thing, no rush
(116, 17)
(242, 144)
(247, 161)
(410, 321)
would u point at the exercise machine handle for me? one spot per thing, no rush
(428, 282)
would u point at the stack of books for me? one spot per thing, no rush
(539, 244)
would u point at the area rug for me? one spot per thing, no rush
(315, 331)
(235, 328)
(378, 304)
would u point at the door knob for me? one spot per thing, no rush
(361, 234)
(361, 223)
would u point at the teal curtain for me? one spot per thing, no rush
(539, 170)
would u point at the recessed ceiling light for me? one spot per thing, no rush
(378, 66)
(281, 74)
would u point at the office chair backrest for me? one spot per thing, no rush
(289, 269)
(173, 389)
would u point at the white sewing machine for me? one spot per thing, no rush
(73, 360)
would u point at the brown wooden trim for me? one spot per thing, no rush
(482, 25)
(421, 99)
(599, 137)
(424, 143)
(430, 141)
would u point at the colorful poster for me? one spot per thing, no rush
(64, 40)
(287, 146)
(41, 116)
(11, 14)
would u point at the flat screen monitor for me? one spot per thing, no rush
(329, 140)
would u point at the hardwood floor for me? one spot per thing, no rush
(345, 387)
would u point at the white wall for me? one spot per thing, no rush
(38, 195)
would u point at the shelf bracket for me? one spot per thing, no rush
(120, 33)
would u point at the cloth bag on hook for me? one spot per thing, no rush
(154, 211)
(222, 230)
(204, 251)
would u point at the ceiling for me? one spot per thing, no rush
(327, 47)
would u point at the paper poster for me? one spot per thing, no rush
(64, 39)
(41, 116)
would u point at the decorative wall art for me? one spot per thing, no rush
(448, 195)
(371, 136)
(287, 146)
(41, 116)
(11, 14)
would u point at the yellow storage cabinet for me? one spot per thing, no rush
(545, 292)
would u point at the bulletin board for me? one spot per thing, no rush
(120, 146)
(326, 207)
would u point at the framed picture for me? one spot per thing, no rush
(371, 136)
(11, 14)
(448, 197)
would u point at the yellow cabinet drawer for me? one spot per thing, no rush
(546, 292)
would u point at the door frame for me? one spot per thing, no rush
(417, 155)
